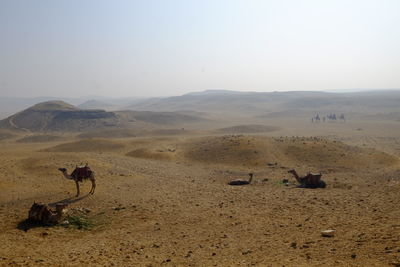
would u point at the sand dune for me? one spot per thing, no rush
(88, 145)
(314, 153)
(39, 138)
(154, 154)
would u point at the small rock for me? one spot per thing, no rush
(247, 252)
(328, 233)
(353, 256)
(87, 210)
(293, 245)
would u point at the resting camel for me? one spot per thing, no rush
(78, 175)
(310, 180)
(42, 213)
(242, 182)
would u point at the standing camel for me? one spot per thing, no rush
(78, 175)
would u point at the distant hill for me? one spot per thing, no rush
(95, 104)
(273, 104)
(163, 118)
(223, 101)
(59, 116)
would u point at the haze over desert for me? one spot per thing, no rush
(200, 133)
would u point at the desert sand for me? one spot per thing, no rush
(163, 199)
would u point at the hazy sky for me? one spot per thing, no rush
(149, 48)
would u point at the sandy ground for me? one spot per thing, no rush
(164, 201)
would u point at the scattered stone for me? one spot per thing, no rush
(328, 233)
(293, 245)
(44, 234)
(87, 210)
(247, 252)
(353, 256)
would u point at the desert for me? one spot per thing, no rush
(212, 133)
(162, 195)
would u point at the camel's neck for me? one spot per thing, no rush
(251, 178)
(296, 176)
(66, 175)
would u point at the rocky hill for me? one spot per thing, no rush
(59, 116)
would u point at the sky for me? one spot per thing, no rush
(75, 48)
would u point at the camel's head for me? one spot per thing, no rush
(62, 169)
(251, 177)
(60, 207)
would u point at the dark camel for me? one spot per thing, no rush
(42, 213)
(242, 182)
(310, 180)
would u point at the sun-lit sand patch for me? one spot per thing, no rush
(87, 145)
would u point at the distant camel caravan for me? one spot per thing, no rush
(78, 175)
(310, 180)
(42, 213)
(242, 182)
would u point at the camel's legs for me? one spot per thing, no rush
(77, 188)
(93, 185)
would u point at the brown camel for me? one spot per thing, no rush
(78, 175)
(310, 180)
(242, 182)
(42, 213)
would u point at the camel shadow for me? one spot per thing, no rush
(27, 224)
(69, 200)
(321, 184)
